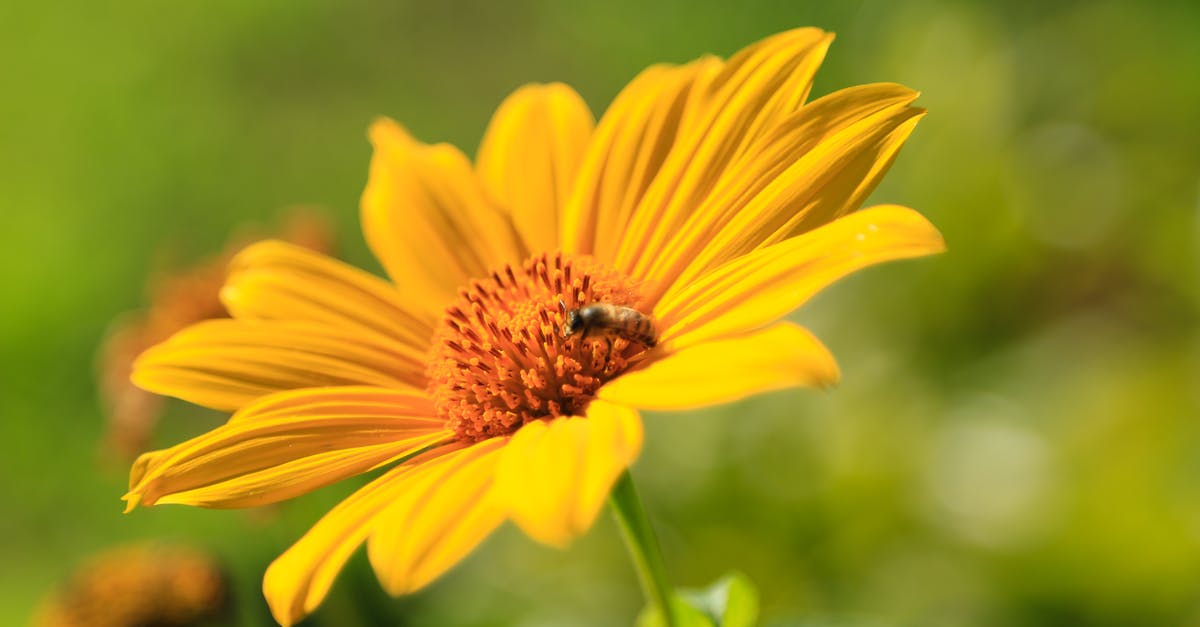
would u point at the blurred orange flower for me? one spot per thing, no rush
(576, 274)
(134, 586)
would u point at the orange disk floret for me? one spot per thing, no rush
(500, 360)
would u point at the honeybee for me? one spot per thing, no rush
(609, 320)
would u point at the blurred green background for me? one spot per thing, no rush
(1017, 437)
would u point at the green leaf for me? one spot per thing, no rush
(731, 601)
(685, 615)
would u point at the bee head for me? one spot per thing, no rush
(573, 324)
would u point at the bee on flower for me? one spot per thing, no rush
(709, 201)
(623, 322)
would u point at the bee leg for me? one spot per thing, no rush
(608, 343)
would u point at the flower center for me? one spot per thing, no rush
(503, 357)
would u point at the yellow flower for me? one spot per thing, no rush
(711, 198)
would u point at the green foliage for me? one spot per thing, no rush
(731, 601)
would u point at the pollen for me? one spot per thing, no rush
(500, 359)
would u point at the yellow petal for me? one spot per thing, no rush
(286, 445)
(626, 151)
(225, 364)
(338, 400)
(446, 509)
(754, 91)
(429, 220)
(722, 371)
(765, 285)
(297, 581)
(817, 165)
(555, 475)
(848, 116)
(530, 155)
(279, 281)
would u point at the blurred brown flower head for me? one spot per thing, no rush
(146, 584)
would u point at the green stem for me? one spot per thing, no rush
(643, 546)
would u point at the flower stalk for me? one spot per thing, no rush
(643, 546)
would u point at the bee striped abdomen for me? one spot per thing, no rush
(640, 327)
(603, 318)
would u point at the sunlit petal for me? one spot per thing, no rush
(429, 220)
(275, 280)
(446, 509)
(816, 165)
(765, 285)
(225, 364)
(555, 475)
(530, 155)
(755, 90)
(286, 445)
(297, 581)
(721, 371)
(626, 152)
